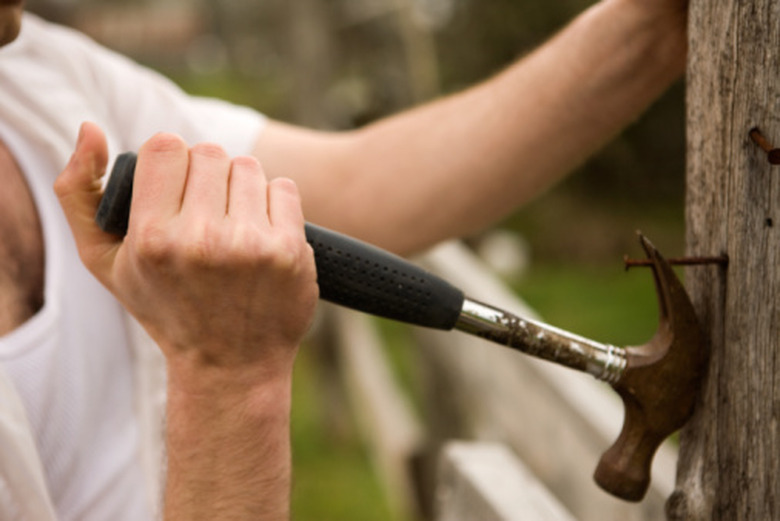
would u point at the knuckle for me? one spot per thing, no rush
(248, 243)
(209, 150)
(202, 245)
(61, 185)
(287, 253)
(247, 162)
(195, 245)
(249, 248)
(253, 248)
(285, 185)
(164, 142)
(153, 244)
(197, 253)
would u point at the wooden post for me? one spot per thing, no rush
(730, 452)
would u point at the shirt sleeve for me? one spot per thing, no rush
(138, 102)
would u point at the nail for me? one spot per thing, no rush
(722, 260)
(773, 154)
(81, 134)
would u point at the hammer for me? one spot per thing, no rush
(657, 381)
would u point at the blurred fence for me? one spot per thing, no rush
(501, 435)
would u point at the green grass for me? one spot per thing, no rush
(333, 479)
(601, 302)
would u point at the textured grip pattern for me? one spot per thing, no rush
(356, 275)
(350, 273)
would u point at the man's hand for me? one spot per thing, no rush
(215, 263)
(216, 266)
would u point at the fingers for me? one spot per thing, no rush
(276, 203)
(172, 183)
(206, 191)
(204, 184)
(175, 181)
(160, 180)
(284, 204)
(248, 193)
(78, 188)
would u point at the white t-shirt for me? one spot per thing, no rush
(71, 366)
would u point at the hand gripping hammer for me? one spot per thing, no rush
(657, 381)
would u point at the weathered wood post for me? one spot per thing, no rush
(730, 453)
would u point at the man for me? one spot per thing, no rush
(215, 266)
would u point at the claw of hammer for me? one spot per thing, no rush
(659, 386)
(658, 381)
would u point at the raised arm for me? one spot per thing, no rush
(216, 267)
(456, 165)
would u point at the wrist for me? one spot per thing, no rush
(262, 389)
(228, 442)
(208, 368)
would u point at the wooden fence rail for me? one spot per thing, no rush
(557, 422)
(485, 481)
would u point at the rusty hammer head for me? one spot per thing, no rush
(659, 386)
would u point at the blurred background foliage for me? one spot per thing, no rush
(343, 63)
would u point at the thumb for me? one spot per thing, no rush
(79, 190)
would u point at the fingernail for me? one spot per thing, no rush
(74, 155)
(81, 135)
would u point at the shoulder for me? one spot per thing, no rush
(62, 50)
(55, 68)
(40, 36)
(66, 51)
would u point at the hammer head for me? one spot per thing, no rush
(659, 387)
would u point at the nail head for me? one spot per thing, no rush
(774, 156)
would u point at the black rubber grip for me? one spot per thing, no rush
(360, 276)
(114, 209)
(350, 273)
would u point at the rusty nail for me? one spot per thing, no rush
(722, 260)
(773, 154)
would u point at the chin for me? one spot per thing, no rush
(10, 23)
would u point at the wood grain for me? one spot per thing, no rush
(730, 452)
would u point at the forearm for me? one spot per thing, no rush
(228, 449)
(457, 165)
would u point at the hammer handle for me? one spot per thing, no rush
(362, 277)
(350, 273)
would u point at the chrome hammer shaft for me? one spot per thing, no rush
(604, 361)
